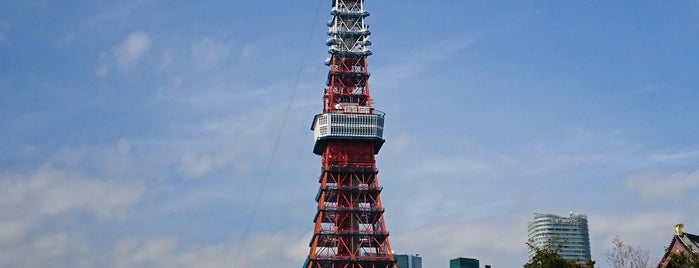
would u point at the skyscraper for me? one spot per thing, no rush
(464, 263)
(408, 261)
(570, 234)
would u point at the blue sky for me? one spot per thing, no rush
(139, 133)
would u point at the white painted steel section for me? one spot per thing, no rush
(348, 125)
(348, 33)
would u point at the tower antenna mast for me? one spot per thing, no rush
(349, 229)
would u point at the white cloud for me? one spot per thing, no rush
(496, 241)
(38, 207)
(13, 231)
(112, 161)
(641, 227)
(170, 252)
(102, 67)
(217, 143)
(4, 27)
(653, 186)
(500, 239)
(166, 60)
(399, 144)
(675, 156)
(60, 244)
(48, 192)
(646, 229)
(197, 165)
(131, 49)
(124, 147)
(248, 51)
(42, 210)
(199, 160)
(392, 76)
(154, 252)
(59, 249)
(208, 52)
(101, 70)
(650, 88)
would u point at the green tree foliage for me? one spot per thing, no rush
(683, 260)
(549, 257)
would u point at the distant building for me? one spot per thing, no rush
(464, 263)
(682, 243)
(569, 233)
(408, 261)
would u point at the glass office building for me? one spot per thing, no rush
(408, 261)
(570, 234)
(464, 263)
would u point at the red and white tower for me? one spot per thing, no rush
(349, 231)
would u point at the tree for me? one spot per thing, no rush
(683, 260)
(549, 257)
(625, 256)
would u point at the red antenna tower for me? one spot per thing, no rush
(349, 230)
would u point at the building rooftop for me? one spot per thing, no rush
(681, 241)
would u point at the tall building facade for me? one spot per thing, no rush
(570, 234)
(408, 261)
(464, 263)
(349, 229)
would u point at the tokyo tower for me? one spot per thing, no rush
(349, 229)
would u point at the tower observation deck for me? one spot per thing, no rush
(349, 229)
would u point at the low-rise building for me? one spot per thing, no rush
(682, 243)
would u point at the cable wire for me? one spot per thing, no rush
(279, 137)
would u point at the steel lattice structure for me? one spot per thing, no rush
(349, 230)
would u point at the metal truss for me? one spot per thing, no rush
(349, 227)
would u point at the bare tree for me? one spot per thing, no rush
(625, 256)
